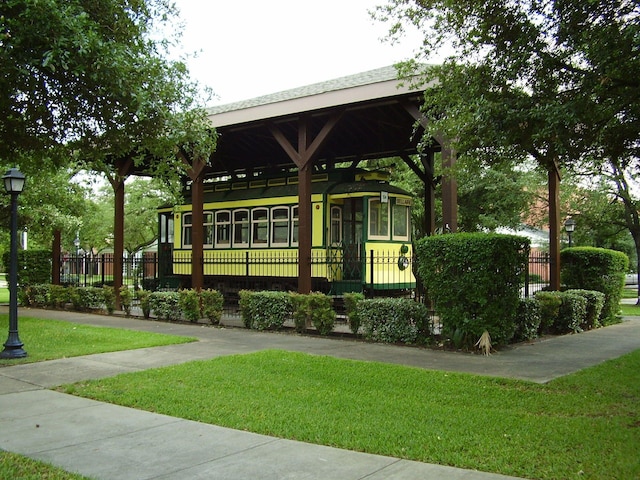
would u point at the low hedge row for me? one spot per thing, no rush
(570, 311)
(57, 296)
(189, 304)
(391, 320)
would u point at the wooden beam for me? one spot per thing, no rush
(56, 250)
(308, 149)
(195, 171)
(449, 190)
(554, 226)
(123, 169)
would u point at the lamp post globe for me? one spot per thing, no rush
(14, 184)
(570, 226)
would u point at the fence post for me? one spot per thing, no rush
(102, 267)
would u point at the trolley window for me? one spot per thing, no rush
(378, 219)
(294, 226)
(186, 230)
(223, 229)
(401, 222)
(260, 226)
(336, 225)
(207, 230)
(241, 228)
(280, 226)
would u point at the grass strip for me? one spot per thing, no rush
(586, 424)
(19, 467)
(50, 339)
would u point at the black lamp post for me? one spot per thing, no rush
(13, 183)
(570, 226)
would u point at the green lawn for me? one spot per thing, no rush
(50, 339)
(630, 310)
(584, 425)
(19, 467)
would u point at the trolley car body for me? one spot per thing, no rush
(361, 234)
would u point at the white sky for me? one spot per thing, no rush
(249, 48)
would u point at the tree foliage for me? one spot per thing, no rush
(553, 79)
(90, 78)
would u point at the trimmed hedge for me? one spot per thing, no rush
(595, 304)
(599, 269)
(567, 311)
(34, 266)
(313, 309)
(351, 300)
(474, 281)
(166, 305)
(265, 310)
(393, 320)
(527, 320)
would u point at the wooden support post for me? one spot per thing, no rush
(56, 250)
(554, 226)
(429, 222)
(303, 158)
(195, 170)
(118, 237)
(449, 190)
(123, 168)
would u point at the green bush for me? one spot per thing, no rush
(34, 266)
(264, 310)
(109, 296)
(561, 312)
(474, 281)
(313, 309)
(392, 320)
(598, 269)
(527, 320)
(166, 305)
(212, 305)
(549, 309)
(36, 295)
(59, 296)
(144, 298)
(573, 312)
(189, 304)
(351, 301)
(87, 298)
(126, 299)
(595, 303)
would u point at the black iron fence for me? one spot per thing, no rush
(333, 271)
(86, 270)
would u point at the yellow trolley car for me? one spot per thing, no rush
(361, 234)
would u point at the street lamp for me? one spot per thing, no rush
(570, 226)
(13, 183)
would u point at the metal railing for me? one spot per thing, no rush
(333, 271)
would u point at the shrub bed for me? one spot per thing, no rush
(264, 310)
(393, 320)
(313, 309)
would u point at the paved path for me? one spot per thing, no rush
(110, 442)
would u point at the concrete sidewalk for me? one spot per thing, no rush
(105, 441)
